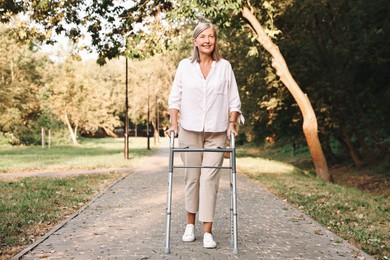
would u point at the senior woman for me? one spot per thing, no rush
(205, 95)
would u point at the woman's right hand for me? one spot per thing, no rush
(172, 128)
(173, 113)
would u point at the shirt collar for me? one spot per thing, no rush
(197, 67)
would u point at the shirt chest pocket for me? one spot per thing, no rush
(220, 87)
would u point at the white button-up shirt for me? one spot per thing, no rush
(205, 104)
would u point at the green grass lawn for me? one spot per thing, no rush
(92, 153)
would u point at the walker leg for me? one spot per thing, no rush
(231, 210)
(169, 197)
(235, 231)
(168, 216)
(234, 195)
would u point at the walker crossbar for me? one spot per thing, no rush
(233, 186)
(189, 150)
(202, 167)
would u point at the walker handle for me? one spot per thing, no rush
(232, 139)
(171, 139)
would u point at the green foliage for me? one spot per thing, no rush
(112, 25)
(37, 92)
(148, 80)
(20, 70)
(7, 139)
(9, 9)
(71, 93)
(330, 49)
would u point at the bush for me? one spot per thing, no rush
(8, 139)
(32, 136)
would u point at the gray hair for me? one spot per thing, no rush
(215, 55)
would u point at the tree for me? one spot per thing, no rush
(310, 126)
(333, 43)
(149, 80)
(112, 24)
(84, 97)
(20, 77)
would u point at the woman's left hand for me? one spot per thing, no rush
(232, 128)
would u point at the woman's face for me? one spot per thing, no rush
(205, 41)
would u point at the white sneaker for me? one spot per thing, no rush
(208, 241)
(189, 233)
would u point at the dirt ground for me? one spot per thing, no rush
(374, 183)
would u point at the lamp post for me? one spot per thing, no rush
(157, 124)
(158, 101)
(148, 123)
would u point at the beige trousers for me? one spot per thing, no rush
(201, 184)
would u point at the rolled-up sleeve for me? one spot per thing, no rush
(234, 97)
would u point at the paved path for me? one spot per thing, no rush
(128, 222)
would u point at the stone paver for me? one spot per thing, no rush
(128, 222)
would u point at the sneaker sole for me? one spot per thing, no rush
(188, 240)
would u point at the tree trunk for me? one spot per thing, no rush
(49, 142)
(43, 137)
(72, 133)
(155, 133)
(109, 132)
(367, 153)
(340, 139)
(329, 150)
(310, 127)
(351, 148)
(12, 70)
(76, 129)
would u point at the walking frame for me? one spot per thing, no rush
(233, 198)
